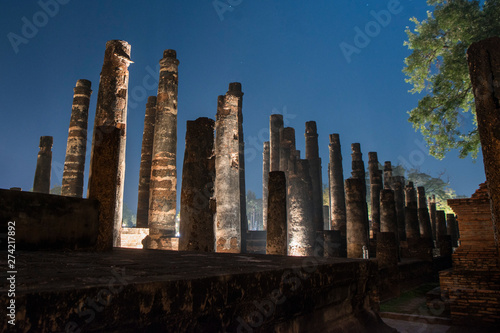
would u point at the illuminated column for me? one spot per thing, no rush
(312, 155)
(265, 182)
(76, 148)
(276, 221)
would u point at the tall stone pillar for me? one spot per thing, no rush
(76, 148)
(198, 176)
(399, 199)
(326, 217)
(287, 148)
(387, 174)
(411, 212)
(452, 230)
(375, 187)
(312, 155)
(243, 193)
(484, 68)
(227, 165)
(357, 226)
(163, 183)
(432, 213)
(301, 231)
(423, 214)
(277, 215)
(275, 126)
(146, 160)
(336, 186)
(102, 185)
(111, 111)
(41, 183)
(388, 218)
(358, 172)
(443, 239)
(265, 182)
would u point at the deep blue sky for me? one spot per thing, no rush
(286, 54)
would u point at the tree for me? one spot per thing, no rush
(128, 217)
(254, 212)
(438, 66)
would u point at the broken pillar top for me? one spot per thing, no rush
(288, 136)
(266, 145)
(118, 49)
(46, 142)
(335, 139)
(235, 89)
(83, 83)
(372, 157)
(356, 148)
(169, 58)
(311, 128)
(387, 166)
(277, 120)
(151, 101)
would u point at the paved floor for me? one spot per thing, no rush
(404, 326)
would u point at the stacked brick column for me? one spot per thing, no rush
(41, 182)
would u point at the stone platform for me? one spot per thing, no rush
(130, 290)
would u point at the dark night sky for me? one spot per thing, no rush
(286, 54)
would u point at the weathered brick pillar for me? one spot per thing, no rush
(443, 240)
(375, 187)
(484, 68)
(336, 187)
(423, 214)
(277, 214)
(301, 231)
(163, 182)
(111, 111)
(102, 185)
(287, 148)
(358, 172)
(399, 199)
(236, 87)
(388, 218)
(388, 174)
(41, 182)
(146, 159)
(411, 212)
(452, 229)
(312, 155)
(265, 182)
(227, 165)
(387, 255)
(326, 217)
(357, 226)
(432, 214)
(275, 126)
(198, 175)
(76, 148)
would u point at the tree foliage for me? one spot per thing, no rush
(438, 66)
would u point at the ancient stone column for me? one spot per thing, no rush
(411, 212)
(337, 194)
(163, 183)
(423, 214)
(243, 193)
(387, 174)
(41, 183)
(265, 181)
(326, 217)
(452, 230)
(277, 214)
(76, 148)
(375, 187)
(358, 172)
(301, 231)
(399, 199)
(102, 185)
(275, 126)
(198, 175)
(146, 160)
(111, 111)
(312, 155)
(388, 218)
(432, 213)
(387, 254)
(357, 226)
(443, 239)
(227, 165)
(484, 68)
(287, 148)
